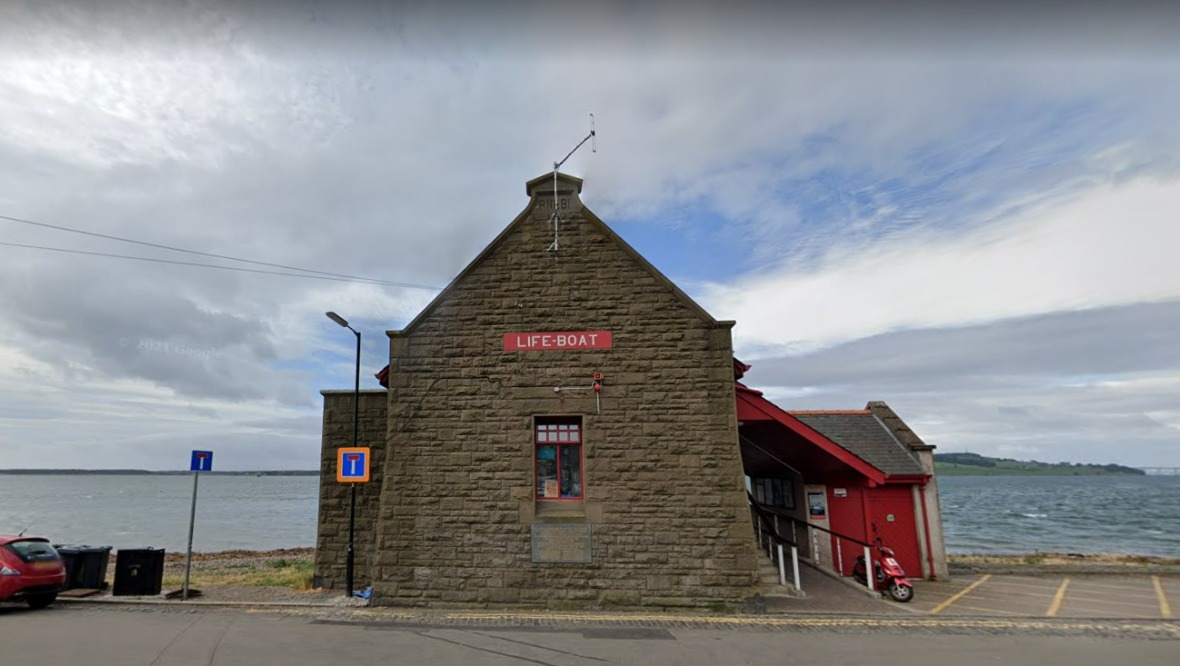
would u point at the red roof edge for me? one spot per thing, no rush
(383, 376)
(920, 479)
(742, 388)
(754, 400)
(739, 369)
(830, 411)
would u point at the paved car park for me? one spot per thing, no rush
(128, 635)
(996, 596)
(1062, 596)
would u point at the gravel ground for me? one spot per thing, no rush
(1066, 563)
(249, 560)
(174, 562)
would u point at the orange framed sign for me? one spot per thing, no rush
(352, 464)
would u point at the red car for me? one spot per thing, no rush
(30, 570)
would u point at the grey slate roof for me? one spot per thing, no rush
(865, 437)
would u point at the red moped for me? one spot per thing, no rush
(889, 574)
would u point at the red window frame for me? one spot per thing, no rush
(559, 432)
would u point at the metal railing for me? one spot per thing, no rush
(840, 539)
(766, 525)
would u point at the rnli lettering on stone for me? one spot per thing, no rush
(557, 340)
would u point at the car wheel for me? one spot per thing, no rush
(41, 600)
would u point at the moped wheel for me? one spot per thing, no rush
(902, 593)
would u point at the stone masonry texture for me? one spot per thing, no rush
(332, 530)
(664, 492)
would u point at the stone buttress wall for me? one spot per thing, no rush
(332, 528)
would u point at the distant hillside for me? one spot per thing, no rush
(973, 464)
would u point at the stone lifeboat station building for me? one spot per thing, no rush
(562, 426)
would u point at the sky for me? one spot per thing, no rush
(969, 214)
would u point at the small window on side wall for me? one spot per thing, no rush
(558, 458)
(774, 493)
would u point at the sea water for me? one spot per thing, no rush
(993, 514)
(1071, 514)
(134, 511)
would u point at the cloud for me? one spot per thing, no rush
(81, 419)
(1050, 350)
(864, 172)
(1091, 386)
(1111, 246)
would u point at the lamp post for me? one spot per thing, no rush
(356, 411)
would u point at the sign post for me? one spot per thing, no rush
(352, 467)
(202, 461)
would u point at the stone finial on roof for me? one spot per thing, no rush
(543, 185)
(900, 430)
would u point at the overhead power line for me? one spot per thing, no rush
(340, 276)
(224, 268)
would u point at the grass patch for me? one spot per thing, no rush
(295, 575)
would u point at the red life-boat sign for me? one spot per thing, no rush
(551, 341)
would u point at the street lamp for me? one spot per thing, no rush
(356, 411)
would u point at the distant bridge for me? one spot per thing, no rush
(1161, 471)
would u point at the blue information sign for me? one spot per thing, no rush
(202, 461)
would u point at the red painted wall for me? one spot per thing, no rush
(900, 534)
(846, 516)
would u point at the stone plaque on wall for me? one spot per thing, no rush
(556, 542)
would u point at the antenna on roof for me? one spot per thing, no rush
(555, 218)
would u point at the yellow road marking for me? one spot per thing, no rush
(763, 621)
(1057, 599)
(991, 610)
(962, 593)
(1165, 610)
(1122, 588)
(1076, 597)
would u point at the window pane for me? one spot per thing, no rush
(571, 471)
(33, 551)
(547, 471)
(777, 499)
(564, 435)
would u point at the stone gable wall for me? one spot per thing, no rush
(332, 528)
(663, 478)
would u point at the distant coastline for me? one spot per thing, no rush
(973, 464)
(148, 472)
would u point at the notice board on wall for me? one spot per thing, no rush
(558, 543)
